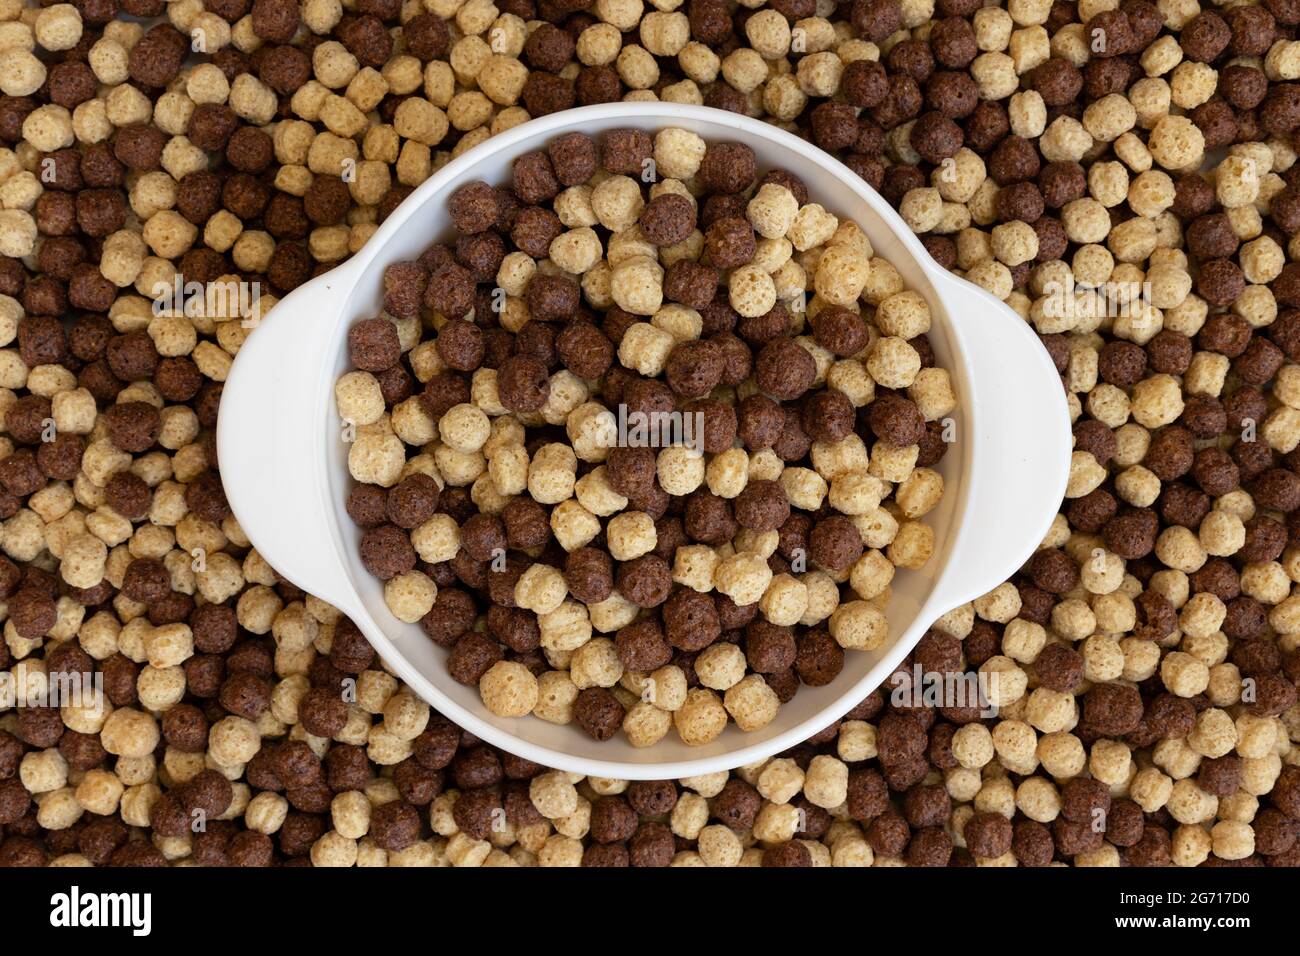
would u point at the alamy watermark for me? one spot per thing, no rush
(638, 429)
(75, 908)
(1116, 300)
(83, 690)
(223, 299)
(966, 689)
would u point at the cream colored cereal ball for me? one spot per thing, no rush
(701, 718)
(21, 73)
(464, 427)
(751, 703)
(58, 27)
(509, 689)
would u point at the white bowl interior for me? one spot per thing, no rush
(812, 708)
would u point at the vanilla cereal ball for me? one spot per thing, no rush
(58, 27)
(1176, 143)
(813, 226)
(83, 561)
(677, 152)
(551, 474)
(701, 718)
(859, 625)
(892, 462)
(919, 493)
(464, 427)
(645, 724)
(893, 362)
(553, 794)
(743, 577)
(1086, 220)
(1108, 118)
(575, 209)
(720, 666)
(972, 746)
(556, 695)
(616, 203)
(785, 601)
(921, 208)
(751, 703)
(719, 845)
(509, 689)
(540, 589)
(903, 315)
(1015, 242)
(999, 605)
(1214, 735)
(680, 470)
(359, 398)
(841, 274)
(21, 73)
(1236, 181)
(577, 251)
(17, 233)
(804, 487)
(1262, 261)
(131, 733)
(751, 290)
(43, 772)
(636, 285)
(882, 281)
(630, 535)
(1006, 683)
(933, 393)
(169, 234)
(772, 210)
(410, 595)
(596, 664)
(1157, 401)
(694, 567)
(377, 458)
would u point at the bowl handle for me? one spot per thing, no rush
(1019, 461)
(270, 435)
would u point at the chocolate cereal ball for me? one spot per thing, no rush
(784, 369)
(373, 345)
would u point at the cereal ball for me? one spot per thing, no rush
(509, 689)
(785, 369)
(373, 345)
(598, 712)
(667, 219)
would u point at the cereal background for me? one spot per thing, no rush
(1123, 175)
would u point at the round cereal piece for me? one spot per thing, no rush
(1176, 143)
(701, 719)
(509, 689)
(751, 291)
(785, 369)
(858, 625)
(523, 383)
(667, 219)
(720, 666)
(598, 712)
(893, 362)
(474, 207)
(751, 703)
(464, 427)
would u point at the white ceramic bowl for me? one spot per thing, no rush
(284, 463)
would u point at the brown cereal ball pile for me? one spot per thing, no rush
(618, 580)
(1163, 155)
